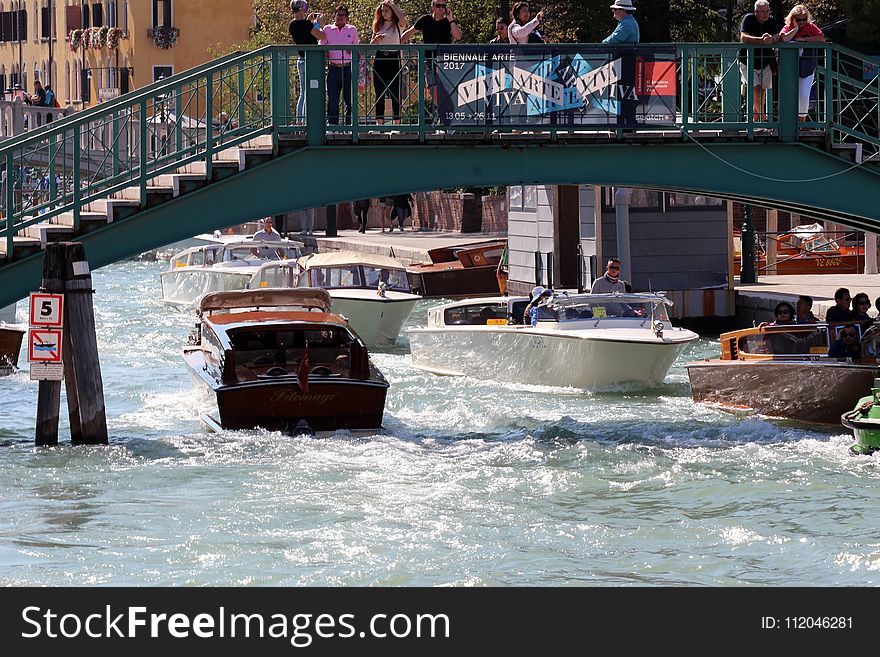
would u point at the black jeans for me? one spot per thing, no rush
(338, 79)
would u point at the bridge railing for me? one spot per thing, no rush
(554, 90)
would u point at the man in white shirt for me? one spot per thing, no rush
(267, 233)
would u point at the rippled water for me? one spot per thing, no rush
(474, 483)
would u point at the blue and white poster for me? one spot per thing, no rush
(556, 85)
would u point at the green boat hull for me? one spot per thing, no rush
(864, 422)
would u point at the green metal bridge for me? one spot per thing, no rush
(248, 135)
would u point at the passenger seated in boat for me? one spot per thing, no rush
(847, 345)
(804, 310)
(538, 295)
(861, 303)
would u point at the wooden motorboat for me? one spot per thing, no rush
(582, 340)
(807, 249)
(458, 271)
(785, 371)
(371, 291)
(11, 336)
(219, 267)
(280, 360)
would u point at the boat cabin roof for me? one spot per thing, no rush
(232, 321)
(303, 297)
(564, 300)
(349, 258)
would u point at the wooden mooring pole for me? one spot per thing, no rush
(66, 269)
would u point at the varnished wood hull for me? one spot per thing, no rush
(851, 263)
(278, 404)
(801, 390)
(10, 348)
(451, 280)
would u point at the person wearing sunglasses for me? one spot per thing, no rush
(840, 311)
(439, 26)
(501, 31)
(861, 304)
(847, 345)
(610, 280)
(799, 26)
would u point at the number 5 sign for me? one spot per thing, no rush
(46, 309)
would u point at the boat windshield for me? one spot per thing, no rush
(395, 279)
(477, 314)
(819, 244)
(350, 276)
(286, 346)
(276, 276)
(804, 339)
(196, 257)
(577, 310)
(258, 251)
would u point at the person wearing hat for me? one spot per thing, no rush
(540, 295)
(626, 33)
(627, 30)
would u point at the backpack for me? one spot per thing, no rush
(50, 99)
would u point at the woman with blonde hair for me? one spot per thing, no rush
(799, 26)
(389, 22)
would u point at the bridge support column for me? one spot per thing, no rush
(316, 98)
(622, 197)
(788, 94)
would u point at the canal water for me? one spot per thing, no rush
(473, 483)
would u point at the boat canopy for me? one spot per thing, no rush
(347, 258)
(303, 297)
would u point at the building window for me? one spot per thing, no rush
(112, 18)
(162, 13)
(514, 200)
(160, 72)
(125, 16)
(97, 15)
(86, 16)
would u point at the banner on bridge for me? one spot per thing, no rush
(556, 85)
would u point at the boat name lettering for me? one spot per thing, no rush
(829, 262)
(288, 396)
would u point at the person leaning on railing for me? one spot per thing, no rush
(339, 33)
(759, 28)
(799, 26)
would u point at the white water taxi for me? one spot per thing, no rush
(371, 291)
(196, 271)
(579, 340)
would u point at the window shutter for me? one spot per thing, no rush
(73, 17)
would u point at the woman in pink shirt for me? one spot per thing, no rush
(799, 26)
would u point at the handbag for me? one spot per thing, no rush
(362, 72)
(806, 64)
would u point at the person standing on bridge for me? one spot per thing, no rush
(439, 27)
(799, 26)
(340, 32)
(626, 33)
(523, 28)
(759, 28)
(389, 21)
(303, 31)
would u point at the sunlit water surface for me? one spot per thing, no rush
(473, 483)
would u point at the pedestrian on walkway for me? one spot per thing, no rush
(402, 210)
(361, 209)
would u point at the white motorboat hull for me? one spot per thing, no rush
(580, 359)
(184, 287)
(377, 320)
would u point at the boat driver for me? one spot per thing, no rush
(267, 233)
(610, 281)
